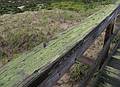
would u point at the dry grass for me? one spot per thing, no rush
(23, 31)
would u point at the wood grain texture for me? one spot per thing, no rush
(31, 65)
(78, 50)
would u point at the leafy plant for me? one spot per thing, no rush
(78, 71)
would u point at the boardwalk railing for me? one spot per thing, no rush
(43, 68)
(103, 56)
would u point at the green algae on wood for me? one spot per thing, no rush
(23, 66)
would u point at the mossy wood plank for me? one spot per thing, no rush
(115, 61)
(110, 77)
(111, 80)
(22, 67)
(111, 73)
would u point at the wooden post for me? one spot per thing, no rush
(108, 33)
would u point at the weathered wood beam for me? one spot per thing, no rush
(86, 60)
(46, 66)
(108, 33)
(77, 51)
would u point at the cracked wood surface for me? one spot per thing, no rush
(37, 60)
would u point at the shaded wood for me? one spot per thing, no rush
(97, 64)
(115, 63)
(110, 80)
(96, 82)
(108, 33)
(86, 60)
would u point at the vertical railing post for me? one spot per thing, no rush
(108, 33)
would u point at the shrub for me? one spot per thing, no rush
(76, 5)
(78, 71)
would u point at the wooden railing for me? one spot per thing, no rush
(81, 47)
(47, 74)
(103, 56)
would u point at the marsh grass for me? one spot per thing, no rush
(23, 31)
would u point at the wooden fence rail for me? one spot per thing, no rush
(81, 47)
(48, 73)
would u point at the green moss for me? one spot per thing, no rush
(18, 69)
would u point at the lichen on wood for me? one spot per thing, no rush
(22, 67)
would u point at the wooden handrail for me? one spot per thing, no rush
(80, 48)
(45, 67)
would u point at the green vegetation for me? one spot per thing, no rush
(76, 5)
(22, 32)
(78, 71)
